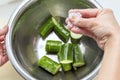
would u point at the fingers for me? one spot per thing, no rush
(76, 30)
(3, 59)
(82, 31)
(76, 19)
(87, 13)
(84, 22)
(3, 55)
(83, 25)
(2, 38)
(4, 31)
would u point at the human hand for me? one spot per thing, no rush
(100, 24)
(3, 55)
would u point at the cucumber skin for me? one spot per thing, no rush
(53, 46)
(46, 28)
(61, 31)
(75, 41)
(78, 59)
(49, 65)
(66, 67)
(65, 55)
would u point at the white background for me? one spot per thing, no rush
(114, 5)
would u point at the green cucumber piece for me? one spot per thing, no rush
(61, 31)
(49, 65)
(65, 55)
(53, 46)
(78, 59)
(66, 67)
(46, 28)
(75, 38)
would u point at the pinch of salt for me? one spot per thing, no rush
(74, 15)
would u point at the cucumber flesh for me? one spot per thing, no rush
(66, 61)
(78, 64)
(75, 35)
(75, 38)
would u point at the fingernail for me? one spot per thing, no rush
(75, 29)
(67, 20)
(71, 10)
(69, 25)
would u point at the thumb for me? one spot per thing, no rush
(4, 30)
(3, 59)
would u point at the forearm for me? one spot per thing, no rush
(110, 69)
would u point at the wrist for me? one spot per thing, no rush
(113, 41)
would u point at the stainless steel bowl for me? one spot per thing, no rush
(25, 46)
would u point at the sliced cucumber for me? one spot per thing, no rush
(53, 46)
(75, 38)
(66, 67)
(75, 35)
(49, 65)
(65, 55)
(60, 30)
(46, 28)
(78, 59)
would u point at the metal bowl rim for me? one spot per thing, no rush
(8, 41)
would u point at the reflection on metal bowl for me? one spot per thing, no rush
(25, 46)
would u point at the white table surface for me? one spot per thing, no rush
(7, 72)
